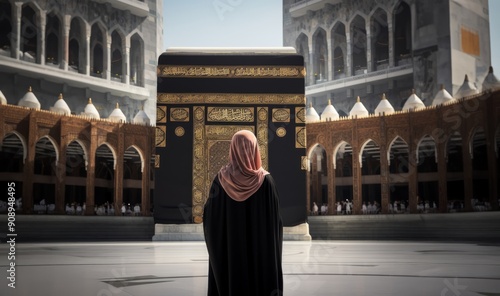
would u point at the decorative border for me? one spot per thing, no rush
(202, 71)
(231, 98)
(199, 164)
(262, 135)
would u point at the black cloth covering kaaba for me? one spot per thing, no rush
(244, 242)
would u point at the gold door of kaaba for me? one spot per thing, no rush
(198, 113)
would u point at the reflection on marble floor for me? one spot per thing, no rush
(310, 268)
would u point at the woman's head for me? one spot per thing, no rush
(244, 151)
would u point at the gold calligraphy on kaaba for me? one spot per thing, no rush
(231, 71)
(230, 114)
(300, 115)
(161, 114)
(161, 136)
(281, 115)
(230, 98)
(300, 137)
(179, 114)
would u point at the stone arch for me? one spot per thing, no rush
(30, 32)
(137, 60)
(53, 37)
(23, 143)
(379, 39)
(402, 18)
(318, 173)
(339, 50)
(401, 156)
(117, 53)
(98, 46)
(5, 27)
(76, 47)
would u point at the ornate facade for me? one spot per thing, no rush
(106, 50)
(57, 159)
(366, 48)
(445, 154)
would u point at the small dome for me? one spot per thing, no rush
(61, 107)
(29, 100)
(311, 114)
(117, 115)
(91, 111)
(491, 81)
(3, 99)
(384, 107)
(442, 97)
(329, 113)
(141, 118)
(358, 109)
(413, 102)
(467, 89)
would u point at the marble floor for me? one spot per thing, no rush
(310, 268)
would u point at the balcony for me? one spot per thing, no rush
(300, 8)
(387, 73)
(136, 7)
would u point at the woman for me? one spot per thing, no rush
(242, 225)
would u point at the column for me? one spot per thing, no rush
(126, 61)
(90, 198)
(467, 160)
(88, 31)
(369, 64)
(329, 51)
(29, 166)
(331, 182)
(348, 65)
(65, 42)
(107, 57)
(442, 177)
(311, 62)
(412, 177)
(390, 30)
(15, 38)
(384, 180)
(118, 178)
(41, 47)
(60, 184)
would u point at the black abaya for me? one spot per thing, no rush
(244, 242)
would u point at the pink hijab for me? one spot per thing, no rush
(243, 175)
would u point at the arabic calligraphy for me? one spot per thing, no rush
(230, 114)
(231, 71)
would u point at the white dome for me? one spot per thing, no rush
(3, 99)
(442, 97)
(29, 100)
(91, 111)
(117, 115)
(384, 107)
(358, 109)
(467, 89)
(491, 81)
(413, 103)
(141, 118)
(311, 114)
(61, 107)
(329, 113)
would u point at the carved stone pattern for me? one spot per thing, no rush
(161, 136)
(230, 98)
(262, 135)
(231, 71)
(300, 115)
(179, 114)
(230, 114)
(281, 115)
(199, 163)
(300, 137)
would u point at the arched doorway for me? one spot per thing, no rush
(320, 56)
(340, 48)
(97, 51)
(5, 28)
(52, 40)
(398, 157)
(380, 40)
(116, 57)
(343, 176)
(132, 181)
(44, 176)
(428, 178)
(455, 173)
(76, 177)
(358, 45)
(318, 175)
(12, 156)
(370, 177)
(480, 178)
(402, 34)
(29, 34)
(104, 180)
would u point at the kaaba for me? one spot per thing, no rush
(204, 96)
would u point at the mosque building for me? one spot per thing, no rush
(77, 103)
(367, 48)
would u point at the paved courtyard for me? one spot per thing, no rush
(310, 268)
